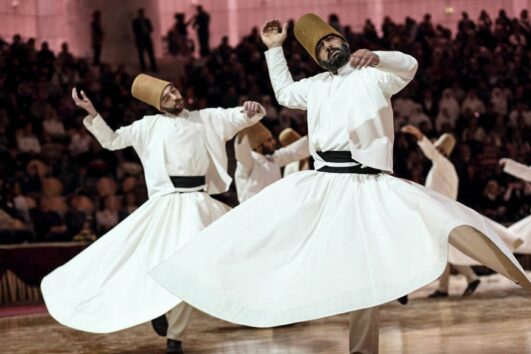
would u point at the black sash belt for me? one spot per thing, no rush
(344, 157)
(188, 181)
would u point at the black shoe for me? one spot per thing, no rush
(472, 286)
(403, 300)
(174, 347)
(160, 325)
(437, 294)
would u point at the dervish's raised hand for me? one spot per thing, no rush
(409, 129)
(251, 108)
(362, 58)
(503, 161)
(84, 102)
(273, 34)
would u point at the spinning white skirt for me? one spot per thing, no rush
(523, 229)
(318, 244)
(511, 239)
(107, 287)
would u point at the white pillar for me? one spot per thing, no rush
(376, 14)
(233, 22)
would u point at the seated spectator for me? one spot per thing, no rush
(106, 187)
(109, 215)
(499, 101)
(130, 203)
(418, 116)
(444, 118)
(80, 142)
(472, 103)
(27, 142)
(80, 216)
(31, 183)
(491, 203)
(52, 187)
(49, 224)
(13, 230)
(52, 126)
(520, 117)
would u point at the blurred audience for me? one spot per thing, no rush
(58, 184)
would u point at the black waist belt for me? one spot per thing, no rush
(188, 181)
(344, 157)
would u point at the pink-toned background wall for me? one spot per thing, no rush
(68, 20)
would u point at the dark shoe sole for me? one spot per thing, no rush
(160, 325)
(471, 288)
(437, 294)
(403, 300)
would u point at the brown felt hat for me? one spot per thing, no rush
(257, 134)
(446, 143)
(149, 89)
(288, 136)
(310, 29)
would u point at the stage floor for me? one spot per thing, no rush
(497, 319)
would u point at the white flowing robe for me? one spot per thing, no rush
(523, 227)
(316, 244)
(443, 178)
(255, 171)
(106, 287)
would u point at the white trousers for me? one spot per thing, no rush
(178, 320)
(444, 280)
(364, 336)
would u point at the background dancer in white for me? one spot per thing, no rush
(443, 178)
(286, 137)
(260, 161)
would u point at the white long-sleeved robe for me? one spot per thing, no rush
(361, 121)
(296, 166)
(144, 136)
(255, 171)
(518, 170)
(523, 227)
(107, 286)
(327, 243)
(443, 178)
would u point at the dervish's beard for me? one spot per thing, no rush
(336, 58)
(267, 150)
(176, 109)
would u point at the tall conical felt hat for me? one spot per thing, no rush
(288, 136)
(148, 89)
(310, 29)
(257, 134)
(446, 143)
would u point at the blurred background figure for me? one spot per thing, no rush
(201, 23)
(97, 37)
(142, 29)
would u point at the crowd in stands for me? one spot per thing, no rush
(58, 184)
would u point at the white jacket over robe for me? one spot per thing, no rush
(220, 125)
(366, 111)
(255, 171)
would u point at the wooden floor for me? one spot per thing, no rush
(497, 320)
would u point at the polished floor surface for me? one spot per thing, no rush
(497, 319)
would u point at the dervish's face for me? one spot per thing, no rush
(268, 147)
(332, 52)
(171, 100)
